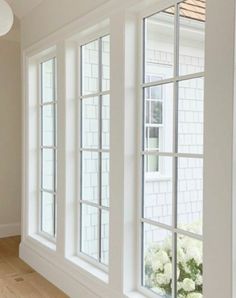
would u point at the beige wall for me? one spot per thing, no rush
(10, 134)
(52, 15)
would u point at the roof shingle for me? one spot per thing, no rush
(192, 9)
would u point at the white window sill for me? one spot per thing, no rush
(96, 272)
(156, 177)
(135, 295)
(142, 293)
(43, 241)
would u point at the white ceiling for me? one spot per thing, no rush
(22, 7)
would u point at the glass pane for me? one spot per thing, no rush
(48, 213)
(89, 231)
(105, 179)
(105, 237)
(158, 189)
(156, 113)
(89, 177)
(90, 123)
(157, 260)
(48, 81)
(48, 169)
(191, 36)
(90, 68)
(106, 122)
(190, 194)
(48, 125)
(190, 116)
(159, 118)
(189, 267)
(153, 137)
(106, 63)
(159, 46)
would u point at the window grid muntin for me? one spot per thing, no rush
(100, 150)
(175, 80)
(149, 124)
(43, 147)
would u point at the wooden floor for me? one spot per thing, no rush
(17, 279)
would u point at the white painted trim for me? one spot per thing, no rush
(64, 274)
(234, 184)
(94, 17)
(218, 163)
(8, 230)
(54, 274)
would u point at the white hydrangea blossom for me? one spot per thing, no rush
(194, 252)
(199, 280)
(181, 255)
(162, 279)
(179, 286)
(162, 256)
(188, 285)
(186, 267)
(158, 266)
(195, 295)
(168, 271)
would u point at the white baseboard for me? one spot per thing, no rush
(55, 274)
(68, 278)
(8, 230)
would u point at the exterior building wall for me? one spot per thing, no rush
(158, 188)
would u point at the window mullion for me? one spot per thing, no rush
(55, 144)
(100, 148)
(95, 94)
(175, 150)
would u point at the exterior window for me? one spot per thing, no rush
(94, 150)
(172, 151)
(153, 122)
(48, 143)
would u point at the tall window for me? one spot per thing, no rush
(48, 143)
(94, 150)
(173, 83)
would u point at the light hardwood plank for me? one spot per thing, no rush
(17, 279)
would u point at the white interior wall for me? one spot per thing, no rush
(55, 15)
(10, 133)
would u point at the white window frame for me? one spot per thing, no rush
(97, 35)
(175, 79)
(51, 56)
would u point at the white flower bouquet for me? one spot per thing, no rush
(158, 268)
